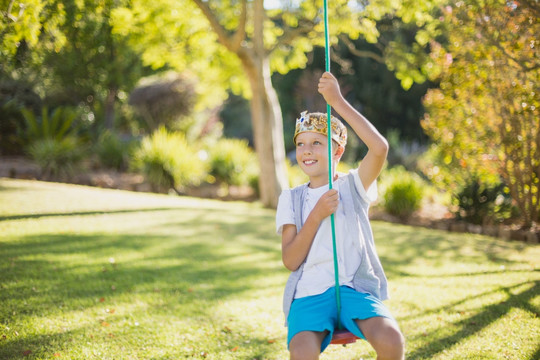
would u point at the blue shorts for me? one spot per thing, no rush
(319, 312)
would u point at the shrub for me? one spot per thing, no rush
(403, 192)
(57, 124)
(57, 158)
(168, 162)
(480, 201)
(233, 162)
(112, 152)
(162, 99)
(14, 95)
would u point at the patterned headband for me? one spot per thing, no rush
(316, 122)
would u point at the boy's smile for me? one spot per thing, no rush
(312, 157)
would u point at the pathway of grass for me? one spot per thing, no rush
(89, 273)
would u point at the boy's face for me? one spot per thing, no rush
(312, 156)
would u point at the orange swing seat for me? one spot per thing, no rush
(343, 337)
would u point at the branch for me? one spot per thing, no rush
(346, 66)
(240, 34)
(360, 53)
(221, 32)
(10, 7)
(289, 34)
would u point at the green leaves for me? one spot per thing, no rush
(484, 117)
(55, 125)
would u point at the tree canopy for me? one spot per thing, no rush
(484, 115)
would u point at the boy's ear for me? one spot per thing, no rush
(339, 151)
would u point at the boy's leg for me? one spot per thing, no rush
(385, 337)
(306, 345)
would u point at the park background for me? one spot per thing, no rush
(198, 99)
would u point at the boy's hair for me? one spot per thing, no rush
(317, 122)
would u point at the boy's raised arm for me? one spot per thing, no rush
(372, 164)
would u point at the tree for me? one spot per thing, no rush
(26, 30)
(67, 52)
(484, 117)
(249, 42)
(94, 65)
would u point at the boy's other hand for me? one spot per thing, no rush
(329, 88)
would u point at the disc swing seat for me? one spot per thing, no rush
(341, 336)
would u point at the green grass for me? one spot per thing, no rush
(89, 273)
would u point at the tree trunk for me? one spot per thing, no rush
(265, 111)
(268, 134)
(265, 116)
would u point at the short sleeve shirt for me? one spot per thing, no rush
(318, 271)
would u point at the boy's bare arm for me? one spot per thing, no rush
(373, 162)
(295, 245)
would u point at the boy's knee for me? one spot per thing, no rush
(303, 354)
(306, 345)
(391, 345)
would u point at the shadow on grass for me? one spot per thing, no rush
(38, 346)
(481, 320)
(195, 262)
(407, 244)
(81, 213)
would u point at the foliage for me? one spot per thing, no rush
(67, 51)
(248, 42)
(168, 161)
(403, 192)
(170, 34)
(27, 31)
(481, 202)
(161, 100)
(101, 64)
(112, 151)
(58, 158)
(484, 116)
(14, 95)
(233, 162)
(201, 125)
(401, 152)
(57, 124)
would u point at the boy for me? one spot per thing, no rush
(303, 221)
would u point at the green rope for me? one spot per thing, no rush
(329, 132)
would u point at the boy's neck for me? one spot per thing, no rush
(315, 183)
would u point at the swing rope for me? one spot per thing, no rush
(330, 172)
(341, 336)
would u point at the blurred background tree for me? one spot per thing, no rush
(484, 117)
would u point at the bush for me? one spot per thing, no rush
(168, 162)
(14, 95)
(233, 162)
(58, 124)
(112, 152)
(480, 201)
(403, 192)
(163, 99)
(57, 158)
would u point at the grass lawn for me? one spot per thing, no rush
(89, 273)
